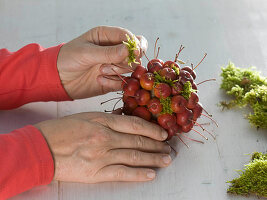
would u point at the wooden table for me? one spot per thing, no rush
(225, 29)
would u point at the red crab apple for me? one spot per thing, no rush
(142, 112)
(147, 81)
(166, 120)
(154, 66)
(129, 105)
(178, 104)
(154, 106)
(142, 97)
(162, 90)
(185, 76)
(171, 64)
(192, 101)
(190, 70)
(139, 71)
(177, 88)
(168, 74)
(131, 87)
(172, 130)
(185, 117)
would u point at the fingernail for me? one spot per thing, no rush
(166, 159)
(167, 149)
(164, 134)
(106, 70)
(151, 174)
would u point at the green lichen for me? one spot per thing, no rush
(248, 88)
(160, 79)
(176, 69)
(131, 45)
(166, 105)
(187, 90)
(253, 178)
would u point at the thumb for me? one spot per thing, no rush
(109, 54)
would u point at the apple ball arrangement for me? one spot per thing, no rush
(164, 93)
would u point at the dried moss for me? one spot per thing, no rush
(131, 45)
(248, 88)
(253, 178)
(187, 90)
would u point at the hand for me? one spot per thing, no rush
(99, 147)
(85, 62)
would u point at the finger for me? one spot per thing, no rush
(107, 35)
(109, 83)
(123, 173)
(135, 125)
(113, 69)
(143, 44)
(106, 54)
(127, 141)
(131, 157)
(121, 68)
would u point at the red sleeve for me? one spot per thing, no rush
(25, 161)
(29, 75)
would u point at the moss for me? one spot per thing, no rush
(176, 69)
(166, 105)
(248, 88)
(253, 178)
(131, 45)
(187, 90)
(160, 79)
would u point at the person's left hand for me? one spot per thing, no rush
(85, 63)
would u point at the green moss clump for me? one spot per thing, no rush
(160, 79)
(131, 45)
(176, 69)
(187, 90)
(253, 178)
(248, 89)
(166, 105)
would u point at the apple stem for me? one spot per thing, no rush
(213, 136)
(203, 124)
(119, 93)
(204, 129)
(172, 149)
(155, 47)
(113, 79)
(193, 139)
(158, 52)
(181, 140)
(118, 111)
(200, 134)
(212, 79)
(210, 119)
(147, 58)
(119, 76)
(110, 100)
(200, 61)
(116, 104)
(198, 124)
(177, 55)
(207, 112)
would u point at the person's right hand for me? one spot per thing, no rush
(99, 147)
